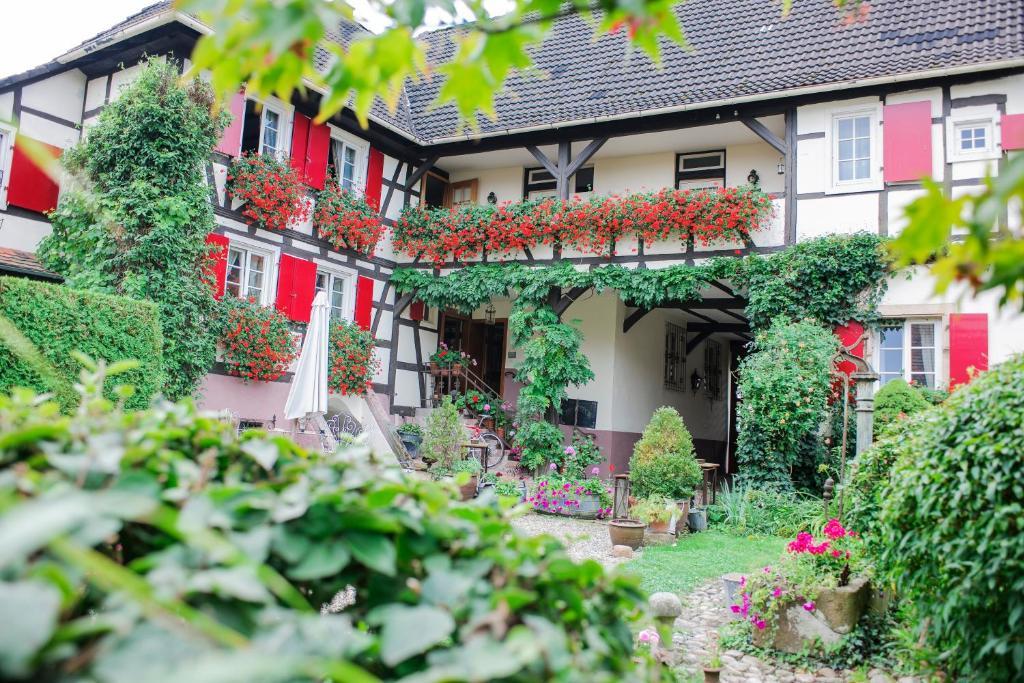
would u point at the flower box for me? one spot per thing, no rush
(836, 612)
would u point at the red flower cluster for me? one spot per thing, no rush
(593, 225)
(272, 191)
(258, 345)
(352, 363)
(346, 219)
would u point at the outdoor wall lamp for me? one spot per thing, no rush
(781, 168)
(492, 198)
(696, 382)
(489, 314)
(752, 177)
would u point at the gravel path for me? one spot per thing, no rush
(583, 538)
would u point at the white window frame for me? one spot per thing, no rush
(270, 253)
(993, 150)
(284, 112)
(697, 155)
(696, 184)
(7, 135)
(938, 347)
(362, 148)
(348, 305)
(874, 180)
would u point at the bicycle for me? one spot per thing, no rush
(496, 446)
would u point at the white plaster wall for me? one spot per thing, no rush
(1011, 86)
(47, 131)
(837, 214)
(506, 182)
(95, 92)
(898, 200)
(407, 388)
(741, 159)
(122, 78)
(60, 95)
(640, 173)
(6, 106)
(599, 321)
(17, 232)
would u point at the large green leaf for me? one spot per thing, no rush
(409, 631)
(324, 559)
(373, 551)
(28, 616)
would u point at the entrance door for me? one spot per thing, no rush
(482, 342)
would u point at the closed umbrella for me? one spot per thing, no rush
(307, 397)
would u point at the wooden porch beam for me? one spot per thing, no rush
(717, 327)
(401, 303)
(695, 314)
(695, 342)
(765, 134)
(721, 304)
(421, 171)
(585, 155)
(633, 318)
(543, 160)
(562, 177)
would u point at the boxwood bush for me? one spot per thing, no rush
(952, 524)
(897, 400)
(663, 463)
(160, 545)
(59, 320)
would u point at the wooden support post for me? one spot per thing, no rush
(790, 182)
(421, 171)
(767, 135)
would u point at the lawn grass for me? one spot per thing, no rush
(696, 558)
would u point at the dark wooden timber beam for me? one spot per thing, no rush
(721, 304)
(585, 155)
(718, 327)
(401, 303)
(564, 301)
(563, 177)
(695, 342)
(543, 160)
(765, 134)
(633, 318)
(421, 171)
(695, 314)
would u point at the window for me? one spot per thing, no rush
(972, 139)
(464, 192)
(853, 148)
(700, 170)
(578, 413)
(675, 357)
(348, 159)
(908, 350)
(539, 183)
(337, 287)
(263, 129)
(246, 276)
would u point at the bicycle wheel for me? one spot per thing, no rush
(495, 452)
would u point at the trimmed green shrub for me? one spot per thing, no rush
(897, 400)
(181, 551)
(952, 529)
(442, 436)
(785, 386)
(663, 463)
(59, 320)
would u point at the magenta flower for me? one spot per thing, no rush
(552, 467)
(809, 605)
(569, 450)
(595, 471)
(777, 592)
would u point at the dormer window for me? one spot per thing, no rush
(263, 129)
(347, 157)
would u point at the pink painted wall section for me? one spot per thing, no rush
(907, 139)
(253, 401)
(1012, 127)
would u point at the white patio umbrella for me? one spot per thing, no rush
(307, 397)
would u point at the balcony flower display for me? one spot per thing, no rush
(352, 362)
(591, 225)
(271, 189)
(346, 219)
(258, 344)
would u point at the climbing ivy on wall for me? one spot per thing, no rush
(136, 221)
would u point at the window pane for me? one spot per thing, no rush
(926, 379)
(845, 128)
(233, 280)
(846, 149)
(271, 121)
(846, 170)
(694, 163)
(892, 337)
(892, 361)
(862, 169)
(337, 297)
(862, 126)
(863, 148)
(922, 334)
(321, 283)
(922, 360)
(255, 281)
(348, 168)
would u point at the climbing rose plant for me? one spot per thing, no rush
(591, 225)
(352, 361)
(346, 219)
(258, 345)
(271, 189)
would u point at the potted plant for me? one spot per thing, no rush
(663, 462)
(713, 664)
(629, 532)
(411, 435)
(470, 467)
(586, 498)
(656, 512)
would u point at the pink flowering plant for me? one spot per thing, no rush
(809, 565)
(565, 496)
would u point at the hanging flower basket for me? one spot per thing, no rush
(352, 362)
(273, 193)
(346, 219)
(258, 344)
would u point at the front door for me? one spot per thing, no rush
(482, 342)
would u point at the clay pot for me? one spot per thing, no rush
(626, 532)
(712, 675)
(457, 369)
(435, 369)
(468, 490)
(487, 423)
(500, 431)
(659, 527)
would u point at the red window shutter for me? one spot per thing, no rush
(32, 186)
(364, 301)
(418, 310)
(300, 138)
(296, 283)
(1012, 127)
(374, 177)
(849, 334)
(316, 155)
(907, 138)
(968, 346)
(217, 269)
(231, 140)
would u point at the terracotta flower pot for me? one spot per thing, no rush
(712, 675)
(457, 369)
(468, 490)
(659, 527)
(626, 532)
(487, 423)
(435, 369)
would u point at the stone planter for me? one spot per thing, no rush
(629, 532)
(837, 611)
(731, 584)
(411, 442)
(588, 508)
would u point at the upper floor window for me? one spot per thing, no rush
(464, 192)
(337, 288)
(539, 183)
(263, 129)
(347, 157)
(972, 139)
(852, 148)
(908, 349)
(247, 273)
(700, 170)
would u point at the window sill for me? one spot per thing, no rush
(873, 185)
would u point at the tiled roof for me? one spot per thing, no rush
(15, 262)
(739, 50)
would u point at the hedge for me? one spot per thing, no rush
(59, 320)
